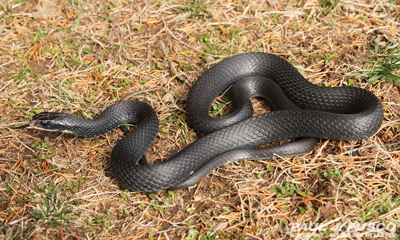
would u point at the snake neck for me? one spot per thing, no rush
(125, 112)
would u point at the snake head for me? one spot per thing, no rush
(50, 121)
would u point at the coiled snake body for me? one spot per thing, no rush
(309, 111)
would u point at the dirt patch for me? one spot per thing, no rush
(321, 187)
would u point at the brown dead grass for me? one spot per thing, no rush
(83, 56)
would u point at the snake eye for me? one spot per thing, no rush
(44, 123)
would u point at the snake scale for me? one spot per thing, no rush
(305, 111)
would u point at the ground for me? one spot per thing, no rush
(82, 56)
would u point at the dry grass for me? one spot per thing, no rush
(82, 56)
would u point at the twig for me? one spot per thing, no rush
(148, 53)
(139, 92)
(140, 13)
(41, 173)
(285, 12)
(72, 235)
(187, 45)
(184, 80)
(169, 59)
(111, 41)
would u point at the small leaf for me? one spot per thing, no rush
(304, 53)
(190, 211)
(270, 168)
(275, 190)
(223, 30)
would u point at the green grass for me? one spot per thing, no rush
(382, 65)
(287, 190)
(13, 233)
(50, 207)
(26, 74)
(328, 5)
(195, 234)
(196, 8)
(219, 40)
(384, 205)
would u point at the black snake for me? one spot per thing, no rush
(305, 111)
